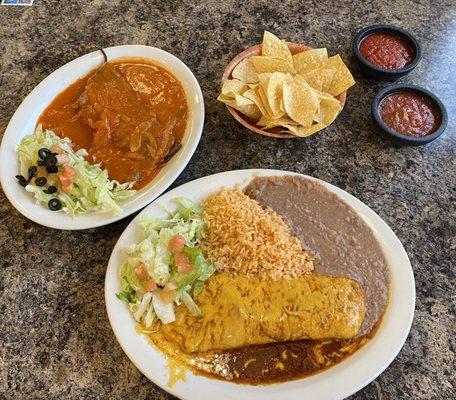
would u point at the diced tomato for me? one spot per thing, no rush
(149, 285)
(168, 296)
(66, 178)
(171, 285)
(185, 269)
(141, 271)
(180, 259)
(182, 263)
(68, 171)
(176, 244)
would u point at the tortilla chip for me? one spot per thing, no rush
(343, 78)
(328, 75)
(276, 48)
(253, 94)
(247, 107)
(268, 123)
(274, 92)
(314, 78)
(328, 110)
(224, 98)
(245, 72)
(264, 99)
(232, 87)
(242, 104)
(300, 101)
(270, 64)
(264, 121)
(310, 59)
(301, 131)
(264, 79)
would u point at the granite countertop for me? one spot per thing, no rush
(56, 341)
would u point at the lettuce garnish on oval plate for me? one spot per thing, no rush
(62, 178)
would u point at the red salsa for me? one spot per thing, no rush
(386, 51)
(410, 113)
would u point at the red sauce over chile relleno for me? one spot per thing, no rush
(387, 51)
(410, 113)
(129, 115)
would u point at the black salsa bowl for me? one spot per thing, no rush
(377, 72)
(399, 137)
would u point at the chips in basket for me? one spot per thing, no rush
(294, 94)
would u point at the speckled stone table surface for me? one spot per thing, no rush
(56, 342)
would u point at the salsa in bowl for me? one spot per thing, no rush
(410, 114)
(386, 51)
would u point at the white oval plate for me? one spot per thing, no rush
(337, 382)
(24, 121)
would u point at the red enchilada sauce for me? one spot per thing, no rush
(386, 51)
(410, 113)
(128, 115)
(262, 364)
(280, 362)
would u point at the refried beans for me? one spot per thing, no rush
(343, 243)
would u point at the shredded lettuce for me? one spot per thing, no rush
(153, 253)
(149, 317)
(164, 311)
(92, 190)
(142, 306)
(129, 281)
(191, 305)
(125, 296)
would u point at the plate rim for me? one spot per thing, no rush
(210, 381)
(155, 188)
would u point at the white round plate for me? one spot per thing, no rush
(337, 382)
(24, 121)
